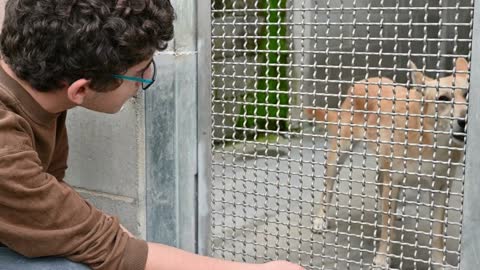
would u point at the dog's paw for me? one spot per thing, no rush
(380, 262)
(320, 224)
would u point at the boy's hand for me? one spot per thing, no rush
(281, 265)
(165, 257)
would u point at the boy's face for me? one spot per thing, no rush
(112, 101)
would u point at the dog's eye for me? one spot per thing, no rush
(444, 98)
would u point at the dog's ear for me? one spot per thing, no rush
(417, 77)
(461, 65)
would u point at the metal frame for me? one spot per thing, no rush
(159, 152)
(171, 138)
(204, 124)
(471, 215)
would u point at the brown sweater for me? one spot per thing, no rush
(40, 214)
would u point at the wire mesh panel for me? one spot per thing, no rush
(338, 131)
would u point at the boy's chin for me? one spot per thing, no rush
(105, 110)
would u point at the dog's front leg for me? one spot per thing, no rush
(389, 196)
(320, 222)
(334, 159)
(439, 199)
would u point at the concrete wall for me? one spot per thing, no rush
(106, 162)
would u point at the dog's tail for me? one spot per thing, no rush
(317, 113)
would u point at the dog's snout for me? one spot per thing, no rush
(462, 123)
(459, 131)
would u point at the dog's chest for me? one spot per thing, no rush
(436, 166)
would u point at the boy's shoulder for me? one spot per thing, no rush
(17, 100)
(14, 116)
(8, 100)
(16, 132)
(8, 88)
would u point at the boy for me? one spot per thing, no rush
(56, 55)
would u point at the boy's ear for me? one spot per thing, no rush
(78, 90)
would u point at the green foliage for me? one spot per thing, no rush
(272, 78)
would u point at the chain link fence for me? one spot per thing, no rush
(338, 131)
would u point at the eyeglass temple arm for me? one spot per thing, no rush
(135, 79)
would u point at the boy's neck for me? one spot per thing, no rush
(55, 101)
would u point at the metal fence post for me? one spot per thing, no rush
(171, 138)
(471, 215)
(204, 123)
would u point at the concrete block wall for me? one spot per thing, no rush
(106, 162)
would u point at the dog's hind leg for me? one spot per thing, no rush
(334, 160)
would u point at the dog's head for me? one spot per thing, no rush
(446, 98)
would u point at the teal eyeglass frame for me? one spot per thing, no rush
(146, 83)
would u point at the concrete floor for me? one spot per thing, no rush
(263, 209)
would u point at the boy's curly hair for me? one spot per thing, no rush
(51, 43)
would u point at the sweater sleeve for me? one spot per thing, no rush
(41, 216)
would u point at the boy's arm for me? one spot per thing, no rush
(163, 257)
(42, 216)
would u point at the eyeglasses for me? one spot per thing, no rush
(147, 78)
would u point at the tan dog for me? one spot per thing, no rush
(411, 139)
